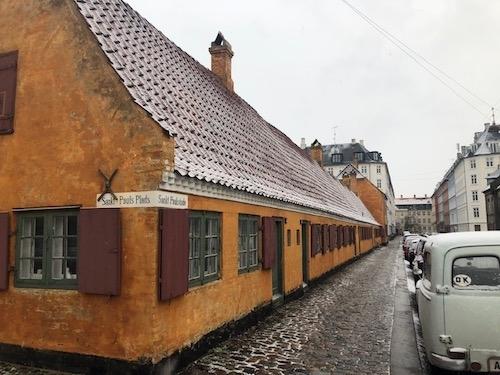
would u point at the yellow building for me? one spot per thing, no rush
(146, 208)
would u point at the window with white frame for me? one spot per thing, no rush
(473, 179)
(379, 184)
(379, 169)
(475, 211)
(363, 169)
(489, 161)
(474, 196)
(472, 163)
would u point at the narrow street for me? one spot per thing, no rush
(358, 321)
(342, 326)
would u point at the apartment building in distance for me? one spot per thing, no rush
(336, 157)
(415, 214)
(458, 197)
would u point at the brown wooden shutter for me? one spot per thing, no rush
(325, 244)
(346, 236)
(4, 251)
(174, 253)
(269, 242)
(8, 76)
(333, 236)
(339, 236)
(99, 257)
(315, 239)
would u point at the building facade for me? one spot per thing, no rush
(372, 197)
(415, 214)
(336, 157)
(464, 206)
(145, 206)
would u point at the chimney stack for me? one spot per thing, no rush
(222, 53)
(361, 142)
(303, 143)
(317, 152)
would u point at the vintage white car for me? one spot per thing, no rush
(459, 301)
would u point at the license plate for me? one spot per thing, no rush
(494, 364)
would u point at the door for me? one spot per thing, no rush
(305, 251)
(472, 302)
(278, 263)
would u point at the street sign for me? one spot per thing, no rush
(136, 199)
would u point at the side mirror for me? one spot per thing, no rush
(418, 284)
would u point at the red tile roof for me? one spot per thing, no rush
(219, 137)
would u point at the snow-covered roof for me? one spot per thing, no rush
(412, 201)
(220, 138)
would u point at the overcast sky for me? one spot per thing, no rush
(307, 66)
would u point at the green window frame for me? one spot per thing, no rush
(248, 243)
(47, 249)
(204, 247)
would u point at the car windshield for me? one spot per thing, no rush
(476, 271)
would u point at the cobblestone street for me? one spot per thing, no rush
(342, 326)
(11, 369)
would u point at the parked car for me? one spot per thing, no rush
(406, 243)
(417, 263)
(459, 301)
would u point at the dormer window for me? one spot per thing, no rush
(337, 158)
(375, 156)
(359, 156)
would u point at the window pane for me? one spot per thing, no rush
(243, 260)
(25, 269)
(476, 271)
(252, 242)
(252, 261)
(57, 247)
(26, 247)
(57, 269)
(37, 266)
(210, 265)
(39, 247)
(71, 269)
(194, 269)
(27, 225)
(39, 226)
(72, 226)
(71, 250)
(59, 226)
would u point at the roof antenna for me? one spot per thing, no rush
(493, 115)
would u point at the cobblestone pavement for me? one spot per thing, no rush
(342, 326)
(11, 369)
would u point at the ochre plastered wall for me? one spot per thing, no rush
(73, 117)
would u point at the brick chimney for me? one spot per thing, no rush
(317, 152)
(350, 181)
(222, 53)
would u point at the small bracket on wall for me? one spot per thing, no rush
(107, 185)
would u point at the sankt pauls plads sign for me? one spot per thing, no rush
(143, 199)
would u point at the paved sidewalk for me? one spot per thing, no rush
(404, 354)
(343, 326)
